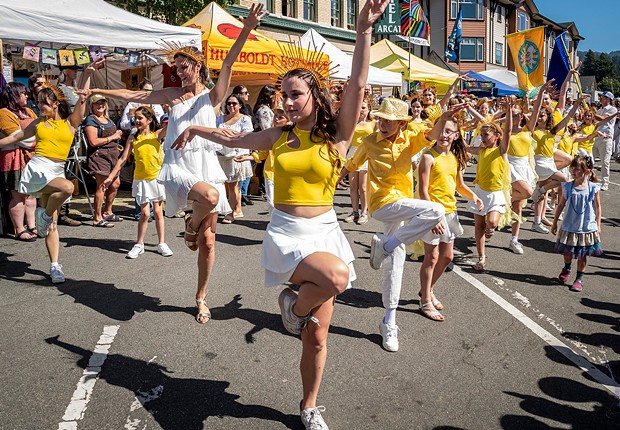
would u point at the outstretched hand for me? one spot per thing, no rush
(454, 109)
(96, 65)
(183, 138)
(254, 16)
(370, 13)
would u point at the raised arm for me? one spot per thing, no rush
(437, 129)
(76, 117)
(446, 98)
(571, 113)
(507, 103)
(218, 92)
(564, 89)
(354, 93)
(261, 140)
(531, 123)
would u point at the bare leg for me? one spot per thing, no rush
(110, 195)
(17, 210)
(446, 254)
(521, 191)
(431, 256)
(206, 257)
(30, 207)
(205, 199)
(159, 221)
(362, 191)
(52, 240)
(480, 226)
(55, 192)
(98, 198)
(143, 222)
(354, 191)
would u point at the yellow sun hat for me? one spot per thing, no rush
(392, 109)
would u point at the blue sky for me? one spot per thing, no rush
(589, 17)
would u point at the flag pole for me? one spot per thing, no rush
(570, 63)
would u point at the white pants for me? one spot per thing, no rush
(602, 149)
(269, 193)
(422, 216)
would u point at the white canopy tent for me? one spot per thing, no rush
(314, 41)
(86, 22)
(507, 77)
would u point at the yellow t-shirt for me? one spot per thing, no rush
(148, 155)
(54, 139)
(266, 157)
(587, 144)
(557, 118)
(442, 180)
(418, 126)
(361, 131)
(390, 174)
(568, 145)
(520, 143)
(304, 176)
(490, 170)
(545, 142)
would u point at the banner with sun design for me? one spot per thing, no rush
(527, 49)
(413, 23)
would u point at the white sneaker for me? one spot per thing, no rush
(515, 247)
(353, 217)
(41, 222)
(312, 419)
(292, 323)
(56, 274)
(136, 250)
(377, 252)
(363, 219)
(539, 228)
(389, 333)
(163, 249)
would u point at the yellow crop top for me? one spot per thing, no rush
(587, 145)
(148, 155)
(304, 176)
(361, 131)
(442, 180)
(490, 170)
(545, 142)
(54, 139)
(520, 144)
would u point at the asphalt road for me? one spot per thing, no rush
(517, 350)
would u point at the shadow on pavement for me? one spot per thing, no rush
(183, 403)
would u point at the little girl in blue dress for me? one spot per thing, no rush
(578, 237)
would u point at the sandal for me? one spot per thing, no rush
(481, 264)
(430, 312)
(103, 223)
(438, 305)
(199, 315)
(190, 236)
(113, 218)
(29, 238)
(33, 230)
(488, 233)
(228, 219)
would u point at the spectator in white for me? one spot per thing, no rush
(603, 144)
(616, 153)
(126, 123)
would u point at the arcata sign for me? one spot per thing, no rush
(390, 21)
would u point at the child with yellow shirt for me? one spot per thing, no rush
(390, 199)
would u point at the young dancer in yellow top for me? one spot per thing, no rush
(440, 177)
(303, 243)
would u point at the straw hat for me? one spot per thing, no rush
(392, 109)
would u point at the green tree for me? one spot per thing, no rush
(590, 64)
(606, 68)
(174, 12)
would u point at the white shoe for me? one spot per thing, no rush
(515, 247)
(389, 333)
(353, 217)
(41, 222)
(135, 251)
(312, 419)
(292, 323)
(539, 228)
(377, 252)
(56, 274)
(604, 187)
(164, 250)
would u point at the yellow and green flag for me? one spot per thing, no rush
(527, 49)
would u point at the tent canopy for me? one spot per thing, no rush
(504, 76)
(389, 56)
(86, 22)
(500, 88)
(314, 41)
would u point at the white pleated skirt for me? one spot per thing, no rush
(545, 167)
(520, 170)
(492, 200)
(146, 191)
(290, 239)
(452, 230)
(39, 172)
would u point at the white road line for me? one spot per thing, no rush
(614, 183)
(607, 382)
(81, 395)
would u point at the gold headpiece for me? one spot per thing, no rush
(294, 56)
(173, 49)
(60, 95)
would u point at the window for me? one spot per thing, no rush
(499, 53)
(523, 21)
(310, 10)
(336, 13)
(500, 13)
(351, 14)
(472, 9)
(268, 5)
(472, 49)
(289, 8)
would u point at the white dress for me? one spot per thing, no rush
(235, 171)
(197, 162)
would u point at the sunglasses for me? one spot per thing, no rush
(232, 104)
(38, 84)
(244, 93)
(148, 90)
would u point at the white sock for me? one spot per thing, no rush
(55, 264)
(515, 238)
(537, 220)
(390, 316)
(391, 244)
